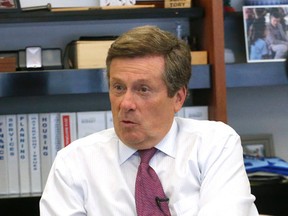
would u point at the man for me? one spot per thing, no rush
(276, 38)
(199, 163)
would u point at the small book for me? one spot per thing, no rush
(55, 134)
(196, 112)
(23, 149)
(90, 122)
(3, 157)
(34, 147)
(13, 164)
(45, 146)
(83, 54)
(68, 128)
(109, 119)
(180, 113)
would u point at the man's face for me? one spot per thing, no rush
(275, 21)
(142, 111)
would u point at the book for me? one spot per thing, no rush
(3, 157)
(55, 134)
(90, 122)
(68, 128)
(89, 54)
(199, 57)
(23, 149)
(35, 163)
(180, 113)
(12, 152)
(196, 112)
(109, 119)
(45, 146)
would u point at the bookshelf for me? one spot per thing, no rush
(71, 81)
(56, 90)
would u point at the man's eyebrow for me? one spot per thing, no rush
(142, 80)
(115, 79)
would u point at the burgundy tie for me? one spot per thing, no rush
(149, 195)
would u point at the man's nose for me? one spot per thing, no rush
(128, 101)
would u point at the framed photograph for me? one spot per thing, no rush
(9, 6)
(259, 145)
(266, 32)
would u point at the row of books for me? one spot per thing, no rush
(29, 143)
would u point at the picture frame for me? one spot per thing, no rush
(9, 6)
(258, 145)
(266, 32)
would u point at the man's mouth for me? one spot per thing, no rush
(128, 123)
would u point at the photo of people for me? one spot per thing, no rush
(266, 32)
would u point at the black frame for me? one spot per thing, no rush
(15, 8)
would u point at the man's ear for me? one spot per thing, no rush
(180, 98)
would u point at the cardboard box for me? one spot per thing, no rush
(177, 3)
(199, 57)
(92, 54)
(89, 54)
(8, 64)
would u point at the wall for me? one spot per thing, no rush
(256, 110)
(58, 34)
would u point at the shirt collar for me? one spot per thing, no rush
(167, 145)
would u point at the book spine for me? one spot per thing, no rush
(13, 165)
(68, 128)
(45, 147)
(181, 113)
(109, 119)
(3, 157)
(35, 172)
(196, 112)
(55, 135)
(90, 122)
(23, 150)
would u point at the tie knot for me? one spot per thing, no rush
(146, 155)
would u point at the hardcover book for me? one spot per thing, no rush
(196, 112)
(86, 54)
(45, 146)
(55, 134)
(68, 128)
(90, 122)
(24, 161)
(109, 119)
(35, 163)
(3, 157)
(180, 113)
(13, 164)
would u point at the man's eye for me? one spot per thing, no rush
(118, 88)
(144, 89)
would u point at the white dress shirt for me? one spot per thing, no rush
(200, 165)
